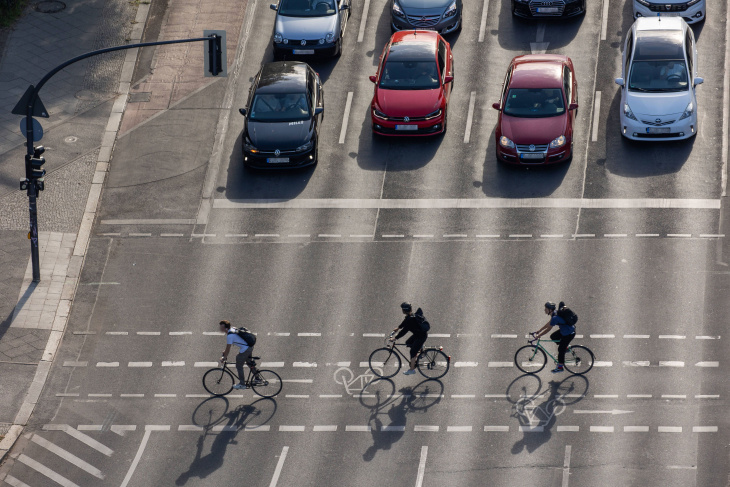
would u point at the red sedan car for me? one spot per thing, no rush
(413, 84)
(537, 110)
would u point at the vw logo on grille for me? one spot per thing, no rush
(658, 120)
(304, 43)
(277, 152)
(532, 147)
(406, 119)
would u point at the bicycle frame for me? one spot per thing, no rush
(251, 371)
(541, 347)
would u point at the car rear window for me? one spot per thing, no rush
(410, 75)
(534, 102)
(280, 107)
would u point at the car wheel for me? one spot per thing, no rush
(445, 123)
(338, 52)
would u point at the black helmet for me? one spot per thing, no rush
(550, 305)
(406, 307)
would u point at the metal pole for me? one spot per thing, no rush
(32, 192)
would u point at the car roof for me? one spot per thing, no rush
(654, 45)
(283, 77)
(538, 71)
(659, 23)
(413, 45)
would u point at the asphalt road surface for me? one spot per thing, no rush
(317, 262)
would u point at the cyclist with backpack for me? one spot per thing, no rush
(418, 326)
(565, 320)
(245, 341)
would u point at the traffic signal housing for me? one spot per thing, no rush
(36, 163)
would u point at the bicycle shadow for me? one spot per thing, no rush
(215, 419)
(537, 409)
(396, 407)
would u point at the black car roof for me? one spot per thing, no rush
(283, 77)
(655, 45)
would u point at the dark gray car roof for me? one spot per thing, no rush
(655, 45)
(283, 77)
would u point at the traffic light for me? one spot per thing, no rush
(36, 163)
(214, 54)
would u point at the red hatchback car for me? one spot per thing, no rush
(537, 110)
(413, 84)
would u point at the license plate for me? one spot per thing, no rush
(531, 156)
(406, 127)
(548, 10)
(670, 14)
(277, 160)
(303, 51)
(655, 130)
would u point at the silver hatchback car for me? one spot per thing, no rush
(443, 16)
(309, 27)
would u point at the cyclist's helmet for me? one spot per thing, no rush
(550, 305)
(406, 307)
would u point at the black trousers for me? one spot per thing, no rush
(563, 345)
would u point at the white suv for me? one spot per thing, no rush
(659, 77)
(690, 10)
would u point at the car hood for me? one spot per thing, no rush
(404, 103)
(425, 4)
(279, 135)
(533, 130)
(657, 104)
(306, 27)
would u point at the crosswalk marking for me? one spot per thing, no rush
(68, 456)
(86, 439)
(15, 482)
(43, 470)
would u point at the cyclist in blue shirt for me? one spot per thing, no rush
(564, 334)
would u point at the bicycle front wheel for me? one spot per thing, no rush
(433, 363)
(266, 383)
(578, 360)
(530, 359)
(218, 382)
(385, 360)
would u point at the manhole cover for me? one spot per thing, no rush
(49, 6)
(139, 97)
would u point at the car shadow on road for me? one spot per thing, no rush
(215, 418)
(389, 411)
(536, 408)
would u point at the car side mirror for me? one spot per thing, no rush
(699, 81)
(619, 81)
(242, 111)
(318, 110)
(496, 106)
(345, 7)
(273, 6)
(573, 106)
(448, 79)
(373, 79)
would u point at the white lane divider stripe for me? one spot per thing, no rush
(636, 336)
(707, 364)
(596, 116)
(290, 428)
(346, 116)
(364, 18)
(470, 113)
(107, 364)
(466, 364)
(173, 364)
(358, 428)
(272, 364)
(672, 337)
(68, 456)
(304, 364)
(458, 429)
(309, 334)
(599, 363)
(205, 364)
(121, 429)
(566, 466)
(483, 23)
(704, 429)
(325, 427)
(422, 466)
(139, 364)
(373, 335)
(602, 336)
(705, 337)
(568, 429)
(43, 470)
(500, 364)
(85, 439)
(604, 20)
(503, 336)
(670, 429)
(601, 429)
(426, 428)
(670, 363)
(496, 428)
(636, 429)
(149, 333)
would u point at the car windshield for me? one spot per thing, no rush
(658, 76)
(534, 102)
(280, 107)
(410, 75)
(307, 8)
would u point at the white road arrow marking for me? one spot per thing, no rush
(612, 412)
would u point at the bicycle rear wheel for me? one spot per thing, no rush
(266, 383)
(386, 360)
(218, 382)
(578, 360)
(433, 363)
(530, 359)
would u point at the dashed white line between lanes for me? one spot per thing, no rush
(604, 20)
(361, 33)
(596, 114)
(470, 113)
(346, 116)
(483, 23)
(422, 461)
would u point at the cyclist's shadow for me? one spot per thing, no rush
(251, 415)
(417, 398)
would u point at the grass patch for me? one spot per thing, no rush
(10, 11)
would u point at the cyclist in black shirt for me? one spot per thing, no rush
(417, 339)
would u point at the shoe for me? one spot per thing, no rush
(240, 386)
(558, 369)
(409, 372)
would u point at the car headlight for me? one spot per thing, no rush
(278, 38)
(691, 2)
(559, 142)
(451, 11)
(433, 114)
(330, 37)
(304, 147)
(397, 11)
(628, 113)
(505, 142)
(645, 3)
(248, 146)
(688, 111)
(379, 114)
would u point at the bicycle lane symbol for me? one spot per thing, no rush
(529, 412)
(354, 384)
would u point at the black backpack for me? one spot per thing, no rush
(567, 315)
(422, 322)
(246, 336)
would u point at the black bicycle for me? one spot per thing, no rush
(385, 362)
(220, 380)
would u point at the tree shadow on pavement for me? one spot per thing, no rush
(215, 419)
